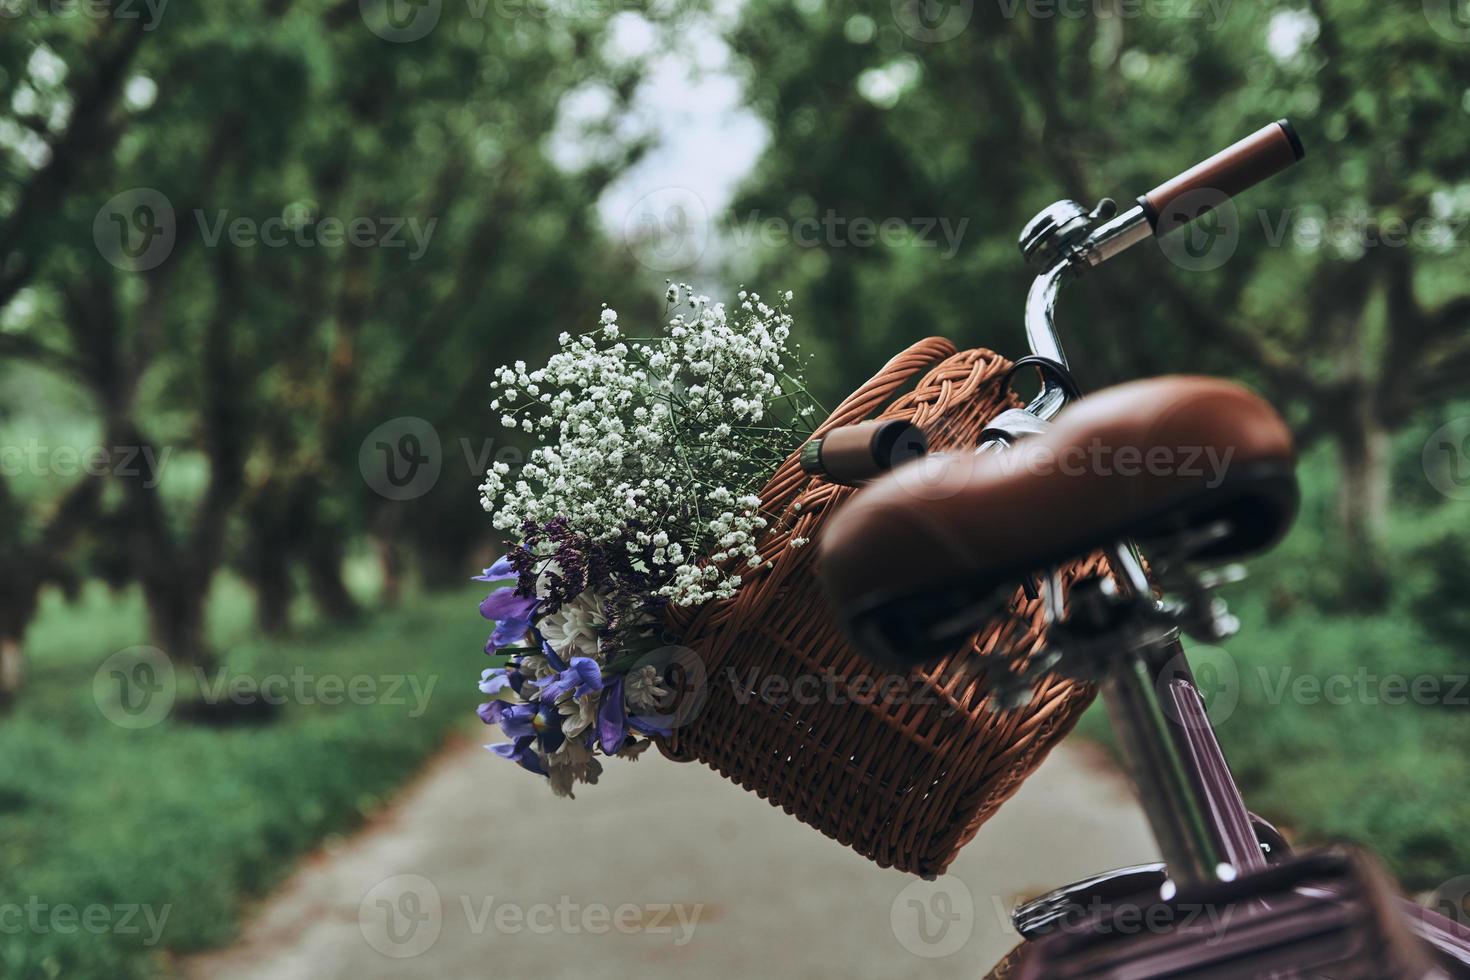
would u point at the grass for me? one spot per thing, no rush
(192, 822)
(184, 822)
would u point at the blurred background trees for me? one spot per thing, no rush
(239, 375)
(188, 409)
(1343, 299)
(252, 374)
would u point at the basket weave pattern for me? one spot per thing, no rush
(904, 780)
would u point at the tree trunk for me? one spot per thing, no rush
(1363, 447)
(390, 561)
(324, 578)
(12, 670)
(272, 581)
(176, 619)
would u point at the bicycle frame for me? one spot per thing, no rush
(1199, 819)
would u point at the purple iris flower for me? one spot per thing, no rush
(519, 752)
(501, 570)
(612, 727)
(512, 614)
(515, 720)
(524, 725)
(557, 663)
(582, 676)
(493, 680)
(649, 725)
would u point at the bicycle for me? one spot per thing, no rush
(926, 552)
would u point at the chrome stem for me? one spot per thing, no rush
(1041, 337)
(1170, 800)
(1178, 809)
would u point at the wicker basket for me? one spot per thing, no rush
(902, 770)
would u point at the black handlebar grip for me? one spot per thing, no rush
(1208, 184)
(853, 454)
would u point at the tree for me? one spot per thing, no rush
(1349, 334)
(247, 357)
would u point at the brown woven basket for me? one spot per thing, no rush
(902, 770)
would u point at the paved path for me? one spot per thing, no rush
(663, 871)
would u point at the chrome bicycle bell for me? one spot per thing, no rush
(1060, 227)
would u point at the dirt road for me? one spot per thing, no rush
(663, 871)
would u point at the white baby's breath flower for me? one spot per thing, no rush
(634, 454)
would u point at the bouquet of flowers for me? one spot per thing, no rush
(643, 490)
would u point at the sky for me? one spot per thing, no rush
(706, 140)
(667, 208)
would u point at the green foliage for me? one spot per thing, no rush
(192, 819)
(1352, 337)
(1315, 703)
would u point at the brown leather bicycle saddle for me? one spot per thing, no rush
(913, 559)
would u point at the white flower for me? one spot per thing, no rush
(577, 714)
(643, 690)
(572, 629)
(618, 454)
(536, 667)
(632, 750)
(572, 763)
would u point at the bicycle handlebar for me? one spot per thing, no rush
(853, 454)
(1208, 184)
(1064, 239)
